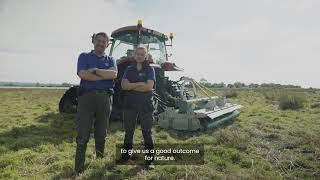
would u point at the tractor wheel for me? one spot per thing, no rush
(68, 103)
(69, 107)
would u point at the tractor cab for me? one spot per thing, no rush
(126, 39)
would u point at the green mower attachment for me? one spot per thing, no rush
(198, 113)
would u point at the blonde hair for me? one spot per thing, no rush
(141, 47)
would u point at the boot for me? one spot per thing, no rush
(80, 158)
(149, 163)
(99, 151)
(125, 156)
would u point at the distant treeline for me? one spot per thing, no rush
(202, 81)
(37, 84)
(243, 85)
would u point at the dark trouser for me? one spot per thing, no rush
(130, 117)
(92, 105)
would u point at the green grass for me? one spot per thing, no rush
(36, 142)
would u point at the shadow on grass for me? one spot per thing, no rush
(107, 171)
(53, 129)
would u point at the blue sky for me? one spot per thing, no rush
(251, 41)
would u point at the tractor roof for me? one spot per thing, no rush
(132, 29)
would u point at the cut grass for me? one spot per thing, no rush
(36, 142)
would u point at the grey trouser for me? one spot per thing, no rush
(92, 105)
(130, 118)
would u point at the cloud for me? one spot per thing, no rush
(248, 40)
(42, 39)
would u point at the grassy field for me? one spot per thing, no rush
(36, 142)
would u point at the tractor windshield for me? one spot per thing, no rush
(125, 44)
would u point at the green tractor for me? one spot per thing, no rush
(176, 103)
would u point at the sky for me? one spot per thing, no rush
(250, 41)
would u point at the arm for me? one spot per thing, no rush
(148, 86)
(82, 69)
(126, 85)
(87, 75)
(110, 73)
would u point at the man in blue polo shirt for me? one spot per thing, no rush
(97, 72)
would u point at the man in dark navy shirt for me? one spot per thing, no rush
(97, 72)
(138, 81)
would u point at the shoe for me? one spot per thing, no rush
(80, 159)
(99, 150)
(78, 173)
